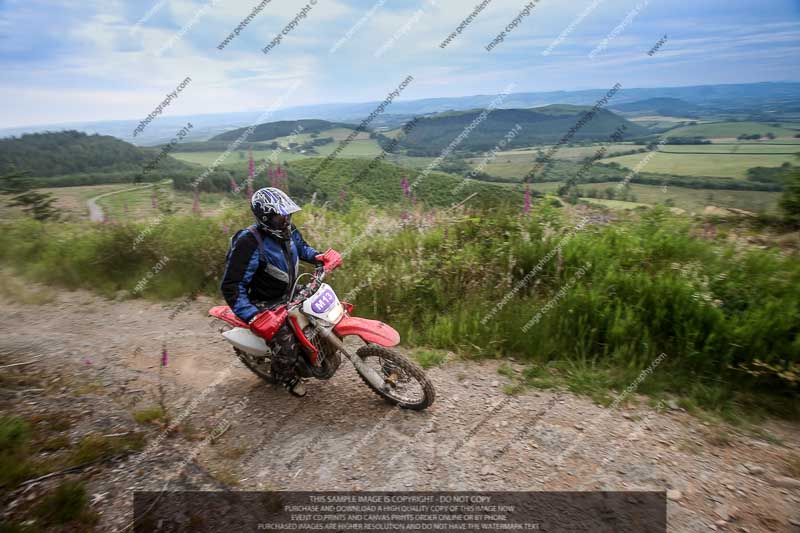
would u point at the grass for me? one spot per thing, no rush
(691, 200)
(225, 477)
(730, 129)
(742, 148)
(150, 414)
(568, 153)
(90, 387)
(53, 444)
(39, 444)
(338, 134)
(70, 201)
(614, 204)
(15, 435)
(52, 421)
(429, 358)
(67, 503)
(95, 447)
(233, 161)
(12, 289)
(708, 164)
(507, 371)
(767, 436)
(138, 204)
(32, 448)
(419, 163)
(361, 147)
(579, 378)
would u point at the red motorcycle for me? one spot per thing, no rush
(320, 322)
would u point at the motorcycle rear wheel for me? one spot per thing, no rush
(395, 368)
(260, 370)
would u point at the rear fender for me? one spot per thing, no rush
(368, 330)
(223, 312)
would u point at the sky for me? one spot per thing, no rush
(92, 60)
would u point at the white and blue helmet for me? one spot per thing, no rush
(271, 201)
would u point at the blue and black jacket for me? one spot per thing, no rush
(251, 276)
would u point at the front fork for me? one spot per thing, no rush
(299, 322)
(363, 368)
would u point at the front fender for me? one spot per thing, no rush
(369, 330)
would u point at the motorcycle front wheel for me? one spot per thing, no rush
(407, 385)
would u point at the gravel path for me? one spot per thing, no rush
(341, 436)
(96, 212)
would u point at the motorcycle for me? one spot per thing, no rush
(321, 322)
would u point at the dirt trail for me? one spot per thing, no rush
(96, 212)
(341, 436)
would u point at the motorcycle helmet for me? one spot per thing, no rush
(273, 211)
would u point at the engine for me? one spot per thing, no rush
(328, 358)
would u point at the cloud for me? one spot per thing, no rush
(91, 61)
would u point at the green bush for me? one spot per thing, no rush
(67, 503)
(790, 200)
(15, 434)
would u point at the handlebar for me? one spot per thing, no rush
(305, 292)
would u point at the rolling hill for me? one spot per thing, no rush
(540, 125)
(730, 98)
(666, 107)
(273, 130)
(72, 152)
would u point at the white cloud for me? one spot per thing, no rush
(88, 63)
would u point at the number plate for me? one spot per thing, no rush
(323, 301)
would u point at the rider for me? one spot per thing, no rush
(256, 281)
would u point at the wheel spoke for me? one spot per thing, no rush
(402, 386)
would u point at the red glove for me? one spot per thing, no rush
(266, 323)
(330, 259)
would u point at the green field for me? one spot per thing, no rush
(70, 201)
(338, 134)
(138, 204)
(416, 162)
(691, 200)
(793, 140)
(708, 164)
(234, 160)
(738, 149)
(658, 122)
(732, 130)
(661, 118)
(517, 163)
(569, 153)
(614, 204)
(358, 148)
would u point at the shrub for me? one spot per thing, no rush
(67, 503)
(15, 435)
(790, 201)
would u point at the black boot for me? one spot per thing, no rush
(295, 386)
